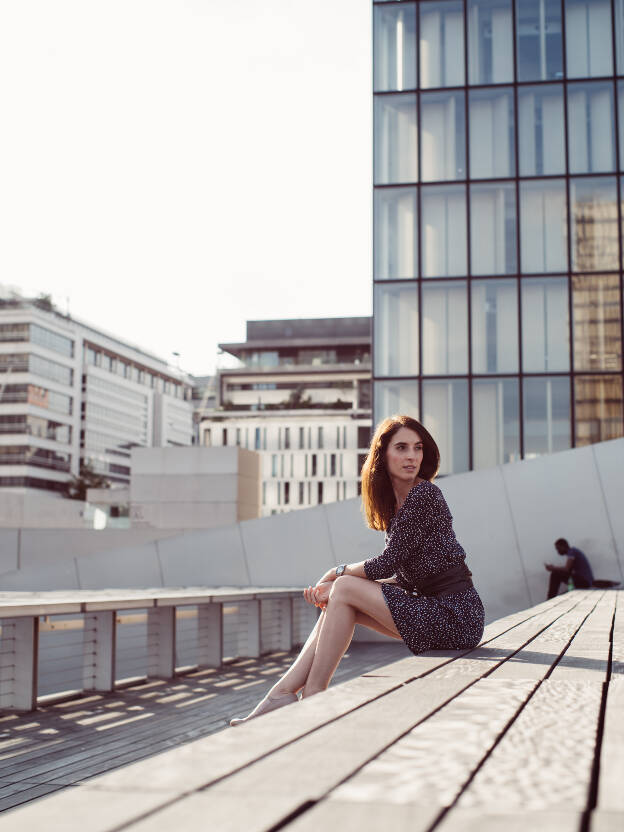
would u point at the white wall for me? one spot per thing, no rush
(507, 519)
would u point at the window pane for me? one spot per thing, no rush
(492, 147)
(493, 246)
(540, 53)
(546, 406)
(443, 136)
(490, 42)
(591, 129)
(620, 88)
(396, 153)
(543, 226)
(588, 38)
(593, 213)
(494, 326)
(445, 414)
(441, 44)
(597, 326)
(598, 408)
(445, 328)
(395, 47)
(396, 330)
(545, 324)
(396, 233)
(444, 231)
(495, 427)
(619, 35)
(541, 132)
(396, 397)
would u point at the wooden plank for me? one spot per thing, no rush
(617, 667)
(606, 821)
(18, 610)
(357, 817)
(431, 764)
(587, 656)
(611, 780)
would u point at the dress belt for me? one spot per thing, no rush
(456, 579)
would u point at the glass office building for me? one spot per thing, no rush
(498, 162)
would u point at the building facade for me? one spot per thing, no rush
(301, 398)
(70, 393)
(498, 152)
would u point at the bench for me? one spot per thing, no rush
(35, 634)
(527, 728)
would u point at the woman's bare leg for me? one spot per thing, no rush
(349, 596)
(295, 677)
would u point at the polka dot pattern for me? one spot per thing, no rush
(420, 544)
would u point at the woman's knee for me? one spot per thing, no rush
(342, 589)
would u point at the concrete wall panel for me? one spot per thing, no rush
(288, 549)
(8, 550)
(185, 461)
(52, 576)
(558, 496)
(204, 558)
(39, 547)
(132, 567)
(185, 515)
(350, 537)
(609, 460)
(188, 488)
(483, 525)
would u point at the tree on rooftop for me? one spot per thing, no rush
(76, 488)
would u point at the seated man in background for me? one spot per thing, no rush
(576, 567)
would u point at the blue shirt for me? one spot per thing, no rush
(581, 567)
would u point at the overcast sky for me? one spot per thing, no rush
(177, 167)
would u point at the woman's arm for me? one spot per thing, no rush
(355, 569)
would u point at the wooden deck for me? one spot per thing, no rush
(525, 730)
(67, 743)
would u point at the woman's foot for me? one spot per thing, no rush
(269, 703)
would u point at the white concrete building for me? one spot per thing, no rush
(301, 398)
(72, 393)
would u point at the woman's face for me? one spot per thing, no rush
(404, 455)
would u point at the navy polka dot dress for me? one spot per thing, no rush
(420, 544)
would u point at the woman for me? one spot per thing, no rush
(430, 604)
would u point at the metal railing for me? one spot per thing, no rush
(55, 644)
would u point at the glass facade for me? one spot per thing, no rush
(498, 223)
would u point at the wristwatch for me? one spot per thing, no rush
(340, 569)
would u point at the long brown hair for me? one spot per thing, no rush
(377, 493)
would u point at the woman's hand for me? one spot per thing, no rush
(330, 575)
(318, 594)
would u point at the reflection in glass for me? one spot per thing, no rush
(444, 328)
(396, 233)
(543, 226)
(494, 326)
(443, 136)
(545, 330)
(597, 408)
(495, 422)
(588, 38)
(443, 240)
(619, 35)
(541, 131)
(445, 415)
(620, 95)
(441, 44)
(493, 243)
(490, 42)
(396, 139)
(591, 127)
(394, 45)
(597, 325)
(540, 51)
(492, 145)
(396, 330)
(593, 214)
(546, 413)
(396, 397)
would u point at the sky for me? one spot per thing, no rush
(170, 169)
